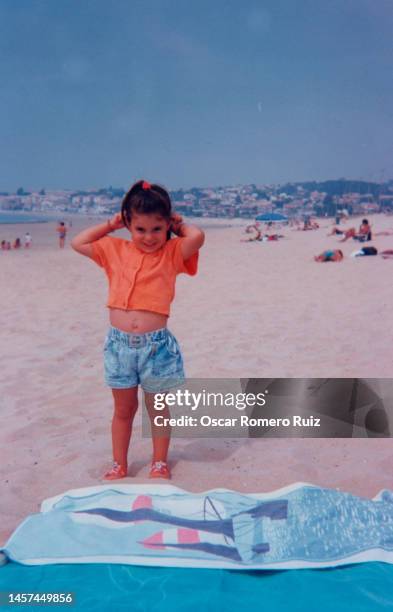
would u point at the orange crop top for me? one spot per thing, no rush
(138, 280)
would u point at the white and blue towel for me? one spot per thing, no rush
(299, 526)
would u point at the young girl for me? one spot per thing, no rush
(138, 348)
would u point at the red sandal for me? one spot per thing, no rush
(159, 469)
(116, 471)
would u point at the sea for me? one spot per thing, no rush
(10, 217)
(7, 217)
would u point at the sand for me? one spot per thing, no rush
(254, 310)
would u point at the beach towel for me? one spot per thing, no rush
(300, 526)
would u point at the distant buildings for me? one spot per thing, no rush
(247, 201)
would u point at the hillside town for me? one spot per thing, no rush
(245, 201)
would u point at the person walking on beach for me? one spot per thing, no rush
(139, 349)
(62, 231)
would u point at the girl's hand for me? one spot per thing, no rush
(116, 222)
(176, 222)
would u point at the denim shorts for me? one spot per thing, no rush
(152, 360)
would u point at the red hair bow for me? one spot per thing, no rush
(146, 185)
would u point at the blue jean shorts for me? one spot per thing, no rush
(152, 360)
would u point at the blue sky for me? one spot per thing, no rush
(194, 93)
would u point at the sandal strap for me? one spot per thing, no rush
(159, 465)
(116, 468)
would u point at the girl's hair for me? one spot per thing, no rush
(146, 199)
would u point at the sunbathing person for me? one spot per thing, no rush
(255, 233)
(270, 237)
(363, 235)
(367, 250)
(330, 255)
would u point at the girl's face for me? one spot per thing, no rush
(149, 232)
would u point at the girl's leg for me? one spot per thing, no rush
(161, 436)
(126, 405)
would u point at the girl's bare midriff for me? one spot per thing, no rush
(136, 321)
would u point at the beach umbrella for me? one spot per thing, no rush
(271, 217)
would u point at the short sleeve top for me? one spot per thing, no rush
(138, 280)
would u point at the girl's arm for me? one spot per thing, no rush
(193, 236)
(82, 242)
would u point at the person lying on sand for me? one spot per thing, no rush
(255, 233)
(388, 254)
(333, 255)
(270, 237)
(368, 250)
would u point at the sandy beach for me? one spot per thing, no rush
(254, 310)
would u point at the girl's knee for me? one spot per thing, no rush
(125, 411)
